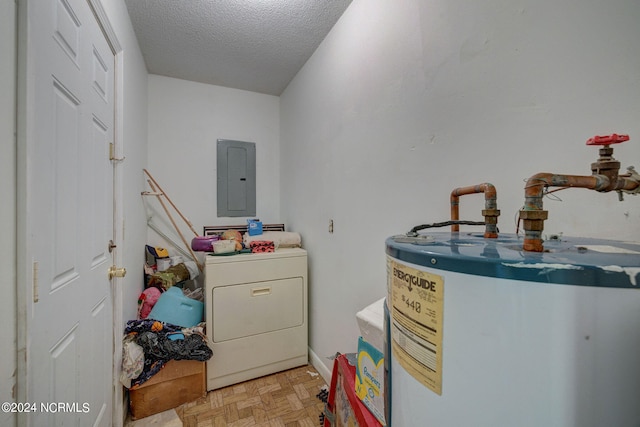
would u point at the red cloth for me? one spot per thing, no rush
(260, 246)
(148, 299)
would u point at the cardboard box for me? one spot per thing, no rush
(370, 378)
(371, 323)
(178, 382)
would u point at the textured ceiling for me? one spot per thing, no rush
(255, 45)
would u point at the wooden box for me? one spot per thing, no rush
(178, 382)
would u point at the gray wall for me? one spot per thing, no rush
(185, 121)
(406, 100)
(133, 138)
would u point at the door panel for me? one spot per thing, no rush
(101, 356)
(70, 124)
(65, 171)
(64, 389)
(100, 209)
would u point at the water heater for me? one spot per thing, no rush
(483, 334)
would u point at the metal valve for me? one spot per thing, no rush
(604, 178)
(606, 167)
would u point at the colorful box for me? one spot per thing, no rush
(254, 227)
(370, 378)
(343, 408)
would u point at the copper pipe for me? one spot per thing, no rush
(533, 215)
(604, 178)
(490, 211)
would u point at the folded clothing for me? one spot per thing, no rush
(281, 239)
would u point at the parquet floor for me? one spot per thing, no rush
(285, 399)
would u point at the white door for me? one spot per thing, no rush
(70, 124)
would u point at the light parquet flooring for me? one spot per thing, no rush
(284, 399)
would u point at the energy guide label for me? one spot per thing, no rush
(419, 349)
(417, 302)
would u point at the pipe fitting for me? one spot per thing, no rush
(490, 213)
(629, 183)
(533, 224)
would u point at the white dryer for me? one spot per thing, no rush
(256, 314)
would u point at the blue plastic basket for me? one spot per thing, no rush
(175, 308)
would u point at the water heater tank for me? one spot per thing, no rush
(483, 334)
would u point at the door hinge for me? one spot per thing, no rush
(112, 153)
(35, 282)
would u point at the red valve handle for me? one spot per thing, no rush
(614, 138)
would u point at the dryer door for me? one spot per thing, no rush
(256, 308)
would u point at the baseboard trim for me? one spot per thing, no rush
(322, 369)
